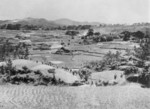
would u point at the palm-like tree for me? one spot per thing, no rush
(52, 71)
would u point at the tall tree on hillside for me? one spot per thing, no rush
(126, 36)
(90, 32)
(52, 71)
(6, 51)
(138, 34)
(143, 52)
(26, 56)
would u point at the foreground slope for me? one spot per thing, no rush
(89, 97)
(61, 74)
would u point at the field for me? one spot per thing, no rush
(130, 96)
(54, 38)
(85, 54)
(119, 95)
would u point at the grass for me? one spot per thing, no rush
(95, 52)
(108, 75)
(40, 97)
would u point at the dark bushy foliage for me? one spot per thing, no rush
(126, 36)
(131, 70)
(138, 34)
(72, 33)
(84, 74)
(9, 74)
(142, 54)
(7, 50)
(109, 38)
(110, 61)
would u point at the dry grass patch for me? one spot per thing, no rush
(116, 97)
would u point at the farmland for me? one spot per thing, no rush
(54, 38)
(74, 54)
(101, 86)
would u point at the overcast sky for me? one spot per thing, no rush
(104, 11)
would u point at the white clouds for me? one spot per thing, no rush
(108, 11)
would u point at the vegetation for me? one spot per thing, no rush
(19, 26)
(72, 33)
(110, 61)
(126, 36)
(131, 70)
(20, 50)
(142, 54)
(84, 74)
(95, 37)
(138, 35)
(9, 74)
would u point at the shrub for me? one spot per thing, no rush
(109, 38)
(84, 74)
(72, 33)
(110, 61)
(131, 70)
(143, 52)
(138, 34)
(126, 35)
(144, 79)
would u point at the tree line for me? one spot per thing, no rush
(8, 50)
(38, 27)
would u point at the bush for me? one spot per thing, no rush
(110, 61)
(144, 79)
(126, 35)
(138, 34)
(84, 74)
(131, 70)
(72, 33)
(109, 38)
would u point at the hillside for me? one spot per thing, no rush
(44, 23)
(36, 23)
(71, 22)
(66, 22)
(30, 21)
(40, 97)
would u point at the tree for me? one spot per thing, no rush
(97, 33)
(143, 52)
(8, 50)
(52, 71)
(25, 70)
(110, 61)
(84, 74)
(96, 39)
(126, 36)
(72, 33)
(26, 53)
(90, 32)
(138, 34)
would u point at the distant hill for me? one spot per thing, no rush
(41, 22)
(66, 22)
(36, 23)
(4, 22)
(71, 22)
(30, 21)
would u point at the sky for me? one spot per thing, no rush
(103, 11)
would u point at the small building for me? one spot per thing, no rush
(63, 50)
(27, 42)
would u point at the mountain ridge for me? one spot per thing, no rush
(46, 23)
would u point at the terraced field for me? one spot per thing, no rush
(83, 97)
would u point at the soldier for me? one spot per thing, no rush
(115, 76)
